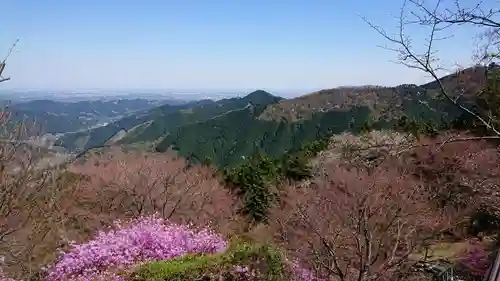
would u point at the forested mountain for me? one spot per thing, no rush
(385, 102)
(289, 124)
(155, 123)
(60, 117)
(198, 113)
(227, 139)
(224, 132)
(84, 140)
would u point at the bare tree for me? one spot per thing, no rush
(29, 200)
(439, 16)
(133, 184)
(3, 63)
(30, 197)
(359, 225)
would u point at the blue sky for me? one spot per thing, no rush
(208, 45)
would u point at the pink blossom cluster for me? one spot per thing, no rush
(149, 238)
(476, 260)
(140, 240)
(2, 276)
(300, 273)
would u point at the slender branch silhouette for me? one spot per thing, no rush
(4, 62)
(438, 19)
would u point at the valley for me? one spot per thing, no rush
(227, 130)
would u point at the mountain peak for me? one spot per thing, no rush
(261, 97)
(259, 93)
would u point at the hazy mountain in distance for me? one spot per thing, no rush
(55, 117)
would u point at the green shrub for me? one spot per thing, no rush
(418, 128)
(254, 182)
(255, 179)
(311, 149)
(264, 261)
(296, 167)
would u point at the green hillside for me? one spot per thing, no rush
(49, 116)
(224, 132)
(161, 121)
(162, 126)
(97, 137)
(226, 139)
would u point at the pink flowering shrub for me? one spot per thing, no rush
(476, 261)
(300, 273)
(150, 248)
(2, 275)
(126, 244)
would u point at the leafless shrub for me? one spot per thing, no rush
(354, 224)
(30, 196)
(133, 184)
(359, 222)
(362, 149)
(460, 176)
(30, 214)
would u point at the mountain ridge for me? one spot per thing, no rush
(334, 111)
(55, 117)
(381, 99)
(223, 132)
(163, 119)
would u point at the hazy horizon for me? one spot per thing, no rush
(279, 46)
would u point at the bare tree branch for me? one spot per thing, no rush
(363, 225)
(3, 63)
(439, 19)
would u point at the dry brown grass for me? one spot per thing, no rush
(304, 107)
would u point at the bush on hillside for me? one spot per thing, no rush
(150, 248)
(418, 128)
(476, 261)
(254, 181)
(311, 149)
(296, 167)
(111, 254)
(351, 222)
(295, 164)
(243, 261)
(128, 185)
(462, 177)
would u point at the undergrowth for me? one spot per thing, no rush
(242, 261)
(254, 180)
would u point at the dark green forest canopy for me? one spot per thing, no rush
(228, 139)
